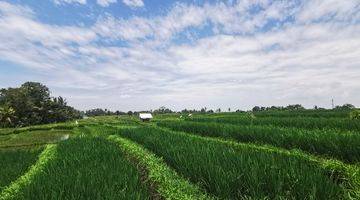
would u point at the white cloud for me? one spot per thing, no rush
(330, 9)
(224, 18)
(306, 61)
(105, 3)
(69, 1)
(134, 3)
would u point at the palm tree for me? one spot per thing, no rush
(6, 116)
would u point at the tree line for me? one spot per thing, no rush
(32, 104)
(164, 110)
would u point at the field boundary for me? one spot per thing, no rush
(350, 173)
(11, 191)
(169, 184)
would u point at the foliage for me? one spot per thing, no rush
(346, 106)
(237, 172)
(311, 123)
(170, 184)
(162, 110)
(15, 162)
(293, 107)
(355, 114)
(329, 143)
(30, 138)
(13, 190)
(305, 113)
(98, 112)
(31, 104)
(82, 168)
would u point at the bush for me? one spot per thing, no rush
(355, 114)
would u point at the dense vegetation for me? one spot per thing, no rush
(81, 165)
(15, 162)
(261, 155)
(322, 142)
(233, 173)
(31, 104)
(311, 123)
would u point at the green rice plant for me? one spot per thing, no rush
(85, 168)
(33, 138)
(296, 122)
(237, 172)
(15, 162)
(13, 191)
(345, 147)
(169, 184)
(305, 113)
(355, 114)
(58, 126)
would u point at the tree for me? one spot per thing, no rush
(256, 109)
(162, 110)
(30, 104)
(346, 106)
(7, 116)
(97, 112)
(295, 107)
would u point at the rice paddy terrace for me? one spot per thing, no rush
(266, 155)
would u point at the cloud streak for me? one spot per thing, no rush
(253, 53)
(134, 3)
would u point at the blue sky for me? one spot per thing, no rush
(143, 54)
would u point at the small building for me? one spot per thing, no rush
(145, 117)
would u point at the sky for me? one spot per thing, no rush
(143, 54)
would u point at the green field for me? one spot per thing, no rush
(266, 155)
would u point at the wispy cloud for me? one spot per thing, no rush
(254, 52)
(69, 1)
(105, 3)
(134, 3)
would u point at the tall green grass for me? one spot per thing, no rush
(305, 113)
(58, 126)
(169, 184)
(230, 172)
(85, 168)
(13, 191)
(33, 138)
(344, 147)
(296, 122)
(15, 162)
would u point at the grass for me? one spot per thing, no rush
(311, 123)
(84, 168)
(58, 126)
(234, 173)
(15, 162)
(33, 138)
(305, 113)
(169, 184)
(13, 191)
(329, 143)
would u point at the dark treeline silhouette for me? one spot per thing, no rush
(164, 110)
(102, 112)
(32, 104)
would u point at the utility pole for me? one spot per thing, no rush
(332, 103)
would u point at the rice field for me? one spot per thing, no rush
(15, 162)
(265, 155)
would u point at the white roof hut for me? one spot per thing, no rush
(145, 116)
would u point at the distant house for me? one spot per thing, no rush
(145, 117)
